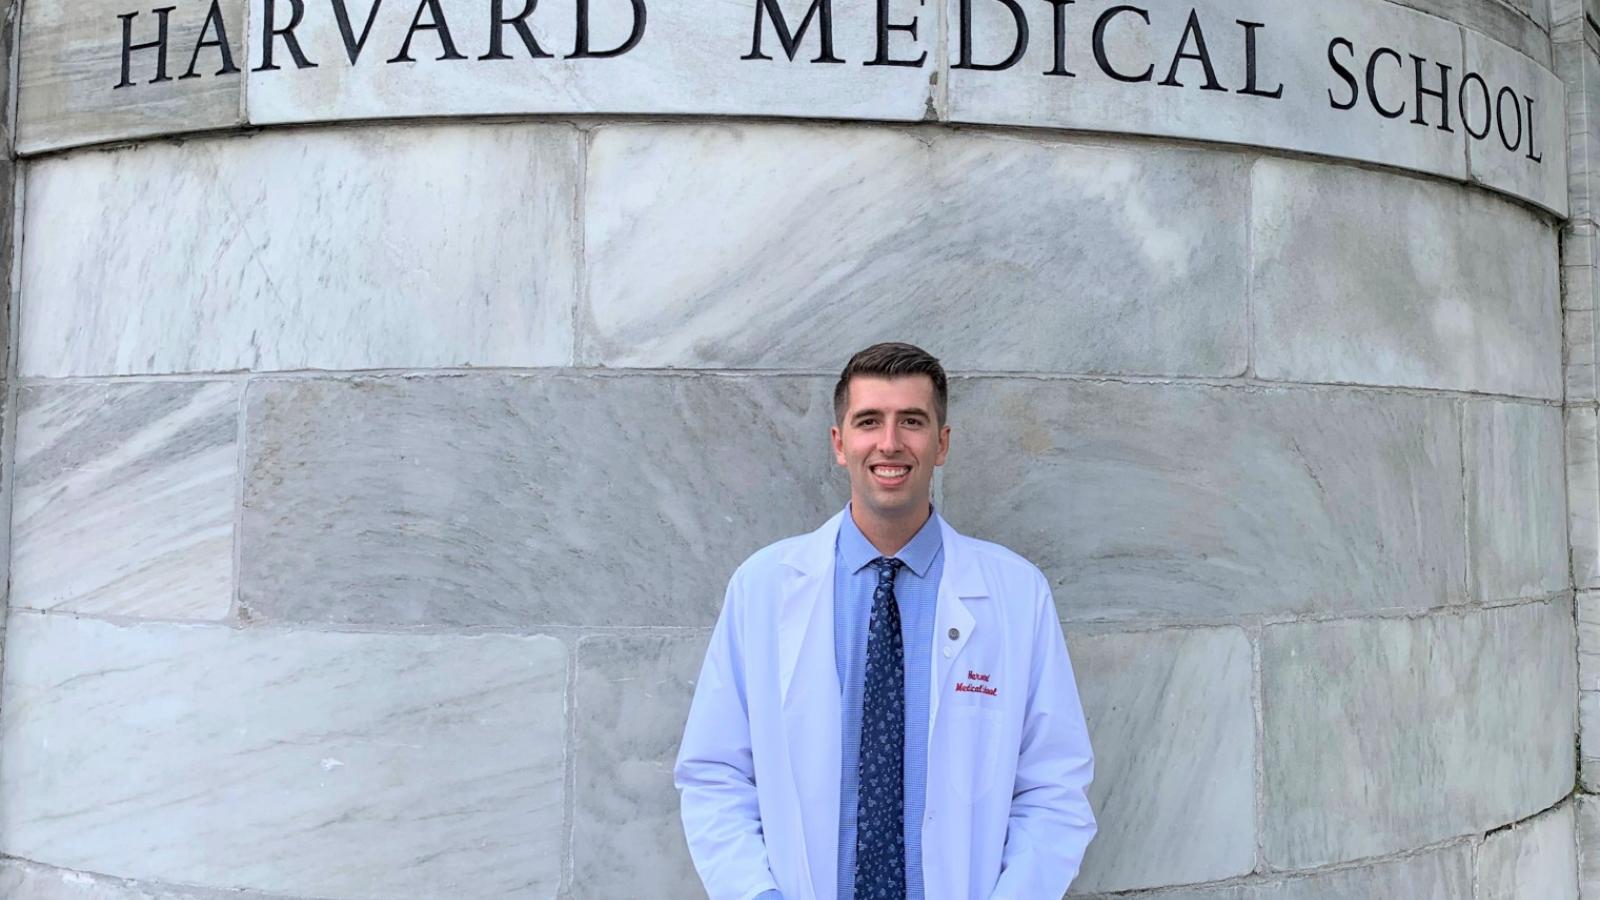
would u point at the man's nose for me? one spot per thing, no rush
(890, 439)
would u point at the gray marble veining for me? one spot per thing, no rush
(690, 58)
(124, 498)
(633, 696)
(1514, 462)
(1376, 278)
(338, 766)
(339, 249)
(70, 66)
(995, 252)
(1173, 729)
(1386, 734)
(1202, 503)
(517, 500)
(1444, 874)
(23, 880)
(1534, 860)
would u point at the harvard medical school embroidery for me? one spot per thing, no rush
(976, 683)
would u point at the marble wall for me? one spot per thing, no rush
(373, 487)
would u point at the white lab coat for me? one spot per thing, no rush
(1007, 817)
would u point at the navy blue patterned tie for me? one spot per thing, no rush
(880, 829)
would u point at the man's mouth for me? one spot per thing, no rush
(890, 473)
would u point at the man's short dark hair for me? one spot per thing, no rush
(892, 360)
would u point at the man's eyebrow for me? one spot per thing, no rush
(911, 411)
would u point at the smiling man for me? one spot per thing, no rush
(887, 710)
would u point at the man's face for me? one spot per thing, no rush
(890, 443)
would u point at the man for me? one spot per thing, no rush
(887, 710)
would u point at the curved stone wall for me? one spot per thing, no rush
(374, 485)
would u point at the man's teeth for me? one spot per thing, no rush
(892, 472)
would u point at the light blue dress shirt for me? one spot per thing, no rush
(915, 590)
(916, 593)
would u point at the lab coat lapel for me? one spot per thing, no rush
(962, 581)
(808, 684)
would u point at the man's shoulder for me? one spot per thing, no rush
(770, 557)
(1001, 561)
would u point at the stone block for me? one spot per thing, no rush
(1173, 727)
(633, 697)
(70, 70)
(517, 500)
(1580, 356)
(338, 766)
(1203, 503)
(124, 498)
(690, 58)
(1442, 874)
(1154, 97)
(1375, 278)
(1516, 499)
(30, 881)
(1583, 497)
(1533, 860)
(1588, 826)
(1386, 734)
(1117, 257)
(1520, 24)
(346, 249)
(1517, 139)
(1579, 69)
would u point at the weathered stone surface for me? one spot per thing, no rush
(1588, 846)
(1534, 860)
(1516, 499)
(345, 249)
(1579, 69)
(30, 881)
(124, 498)
(1588, 609)
(1173, 728)
(514, 500)
(1203, 503)
(1444, 874)
(1375, 278)
(329, 765)
(71, 64)
(1521, 24)
(1120, 257)
(689, 59)
(632, 699)
(1580, 355)
(1292, 52)
(1387, 734)
(1523, 152)
(1583, 497)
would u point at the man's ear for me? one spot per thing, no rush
(944, 445)
(838, 445)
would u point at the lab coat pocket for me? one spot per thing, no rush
(971, 742)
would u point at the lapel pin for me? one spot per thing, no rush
(955, 633)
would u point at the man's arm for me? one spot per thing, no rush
(1051, 823)
(715, 773)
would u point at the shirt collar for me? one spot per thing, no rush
(855, 551)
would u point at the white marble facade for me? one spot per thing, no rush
(384, 432)
(1296, 77)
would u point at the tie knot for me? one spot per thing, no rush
(887, 567)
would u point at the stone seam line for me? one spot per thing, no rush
(1041, 135)
(201, 892)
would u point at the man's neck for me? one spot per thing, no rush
(889, 536)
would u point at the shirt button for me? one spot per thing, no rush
(949, 652)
